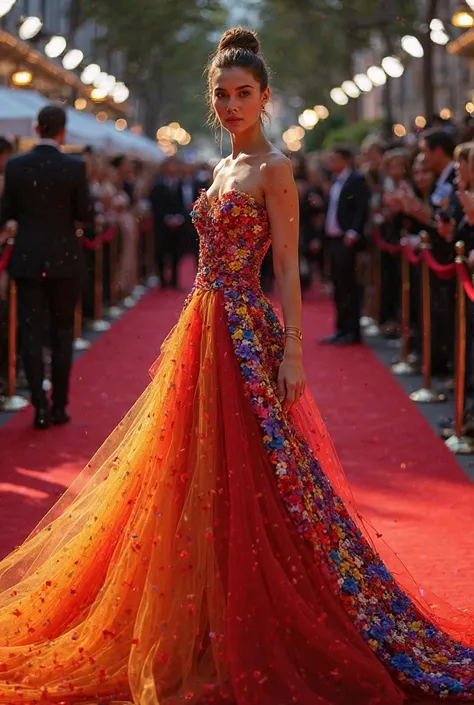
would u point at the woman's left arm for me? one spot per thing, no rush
(281, 198)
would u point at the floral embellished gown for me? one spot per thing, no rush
(210, 552)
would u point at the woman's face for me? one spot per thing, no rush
(237, 99)
(423, 178)
(396, 169)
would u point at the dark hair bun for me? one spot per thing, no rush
(239, 38)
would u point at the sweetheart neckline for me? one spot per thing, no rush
(248, 196)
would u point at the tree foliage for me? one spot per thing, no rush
(311, 43)
(165, 44)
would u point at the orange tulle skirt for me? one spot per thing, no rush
(170, 572)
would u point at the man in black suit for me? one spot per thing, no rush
(169, 215)
(47, 194)
(438, 147)
(346, 218)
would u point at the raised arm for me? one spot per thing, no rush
(281, 198)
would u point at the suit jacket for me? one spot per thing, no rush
(166, 201)
(444, 252)
(353, 206)
(47, 193)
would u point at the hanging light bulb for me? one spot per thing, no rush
(120, 92)
(412, 46)
(392, 66)
(55, 47)
(30, 27)
(72, 59)
(6, 6)
(377, 75)
(351, 89)
(90, 73)
(363, 82)
(339, 97)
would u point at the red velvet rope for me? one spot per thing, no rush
(465, 280)
(443, 271)
(104, 239)
(386, 246)
(5, 258)
(410, 255)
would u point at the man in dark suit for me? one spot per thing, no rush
(169, 214)
(438, 147)
(47, 194)
(346, 218)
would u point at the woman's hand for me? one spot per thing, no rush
(291, 376)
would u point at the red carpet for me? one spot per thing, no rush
(405, 480)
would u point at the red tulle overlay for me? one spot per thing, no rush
(171, 571)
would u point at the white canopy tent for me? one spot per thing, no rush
(19, 110)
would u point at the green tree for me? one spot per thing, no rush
(311, 44)
(164, 44)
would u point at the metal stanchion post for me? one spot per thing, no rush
(114, 311)
(372, 330)
(403, 367)
(458, 443)
(139, 290)
(151, 278)
(426, 395)
(12, 402)
(80, 343)
(98, 324)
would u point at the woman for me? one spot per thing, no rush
(396, 164)
(205, 555)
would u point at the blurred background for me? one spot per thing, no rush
(132, 72)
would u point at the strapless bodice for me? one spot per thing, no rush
(234, 235)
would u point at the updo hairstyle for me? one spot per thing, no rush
(238, 47)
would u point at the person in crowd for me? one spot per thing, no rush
(317, 206)
(169, 213)
(47, 193)
(123, 204)
(6, 150)
(346, 219)
(458, 224)
(190, 187)
(396, 187)
(438, 147)
(300, 173)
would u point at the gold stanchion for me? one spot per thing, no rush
(426, 395)
(12, 402)
(151, 278)
(139, 289)
(372, 329)
(458, 443)
(98, 324)
(114, 311)
(403, 367)
(80, 343)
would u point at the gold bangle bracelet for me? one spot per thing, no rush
(292, 330)
(294, 337)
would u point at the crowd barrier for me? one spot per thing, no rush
(104, 289)
(422, 257)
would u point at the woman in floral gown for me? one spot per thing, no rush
(210, 552)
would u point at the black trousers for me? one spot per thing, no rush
(346, 291)
(55, 298)
(443, 317)
(168, 255)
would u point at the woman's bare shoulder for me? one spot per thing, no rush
(276, 169)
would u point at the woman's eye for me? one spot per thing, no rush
(219, 94)
(244, 94)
